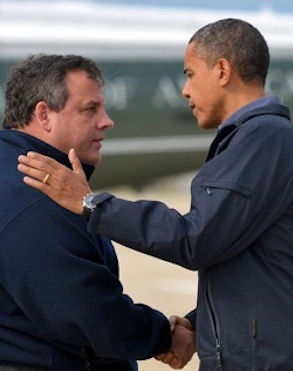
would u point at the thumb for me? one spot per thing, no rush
(177, 320)
(173, 322)
(75, 163)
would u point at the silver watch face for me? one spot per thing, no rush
(87, 202)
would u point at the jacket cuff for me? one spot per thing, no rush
(96, 215)
(191, 316)
(101, 197)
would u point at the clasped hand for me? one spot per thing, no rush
(183, 344)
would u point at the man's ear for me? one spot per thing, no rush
(224, 71)
(42, 113)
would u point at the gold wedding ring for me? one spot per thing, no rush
(45, 180)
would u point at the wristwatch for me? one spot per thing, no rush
(88, 204)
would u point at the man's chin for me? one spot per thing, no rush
(206, 124)
(99, 160)
(94, 161)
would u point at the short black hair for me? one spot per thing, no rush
(42, 78)
(237, 41)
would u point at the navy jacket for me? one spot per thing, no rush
(61, 303)
(238, 234)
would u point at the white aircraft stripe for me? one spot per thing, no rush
(157, 145)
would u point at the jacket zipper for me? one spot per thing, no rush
(215, 326)
(88, 366)
(88, 357)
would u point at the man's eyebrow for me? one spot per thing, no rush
(89, 104)
(92, 103)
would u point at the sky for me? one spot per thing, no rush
(282, 6)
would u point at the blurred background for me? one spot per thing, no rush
(139, 44)
(156, 146)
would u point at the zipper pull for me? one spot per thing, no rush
(88, 357)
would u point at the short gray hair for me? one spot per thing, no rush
(42, 78)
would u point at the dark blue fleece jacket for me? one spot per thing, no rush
(61, 303)
(238, 234)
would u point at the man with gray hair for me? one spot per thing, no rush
(62, 306)
(238, 233)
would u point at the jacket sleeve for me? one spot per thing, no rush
(235, 197)
(191, 316)
(59, 279)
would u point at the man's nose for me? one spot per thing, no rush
(105, 122)
(185, 90)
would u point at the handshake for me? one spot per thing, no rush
(183, 344)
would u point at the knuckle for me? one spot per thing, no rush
(42, 166)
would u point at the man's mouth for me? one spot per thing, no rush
(193, 108)
(98, 142)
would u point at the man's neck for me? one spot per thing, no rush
(241, 97)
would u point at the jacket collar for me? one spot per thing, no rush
(26, 142)
(256, 104)
(227, 130)
(272, 109)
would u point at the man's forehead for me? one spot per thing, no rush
(193, 56)
(189, 59)
(78, 76)
(85, 97)
(79, 82)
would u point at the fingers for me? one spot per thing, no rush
(33, 165)
(173, 320)
(183, 343)
(75, 163)
(38, 159)
(183, 346)
(35, 183)
(65, 186)
(171, 360)
(165, 358)
(38, 175)
(177, 320)
(37, 165)
(176, 363)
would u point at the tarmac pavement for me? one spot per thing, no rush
(162, 285)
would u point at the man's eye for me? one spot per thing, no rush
(91, 109)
